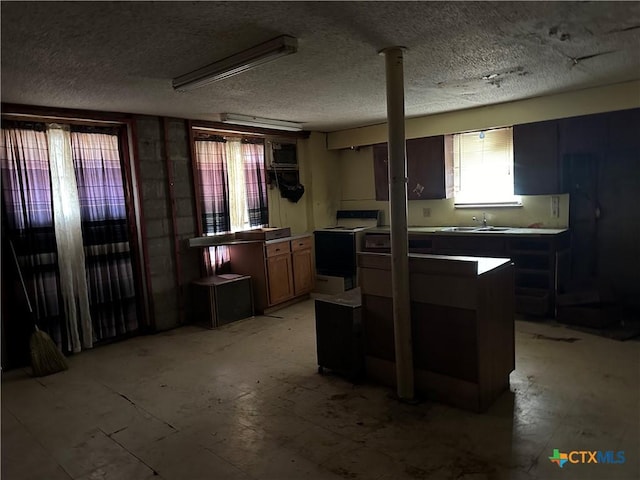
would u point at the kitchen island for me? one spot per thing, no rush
(462, 315)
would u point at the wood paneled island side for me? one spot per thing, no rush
(462, 314)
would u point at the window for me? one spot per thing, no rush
(64, 200)
(483, 168)
(232, 188)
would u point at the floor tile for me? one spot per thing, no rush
(246, 401)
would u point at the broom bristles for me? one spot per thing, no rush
(46, 358)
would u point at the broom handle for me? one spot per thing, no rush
(24, 287)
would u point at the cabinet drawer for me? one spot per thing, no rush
(300, 244)
(277, 249)
(469, 245)
(375, 241)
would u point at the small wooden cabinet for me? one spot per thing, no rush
(429, 168)
(282, 269)
(221, 299)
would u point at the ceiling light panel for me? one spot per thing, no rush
(250, 121)
(238, 63)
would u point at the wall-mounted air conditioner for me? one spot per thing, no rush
(282, 154)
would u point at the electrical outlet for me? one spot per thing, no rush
(555, 206)
(426, 212)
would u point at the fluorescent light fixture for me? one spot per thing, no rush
(238, 63)
(249, 121)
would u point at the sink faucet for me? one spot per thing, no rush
(484, 219)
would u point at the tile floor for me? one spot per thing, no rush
(246, 402)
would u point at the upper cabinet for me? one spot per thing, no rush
(429, 168)
(624, 133)
(545, 153)
(585, 135)
(536, 164)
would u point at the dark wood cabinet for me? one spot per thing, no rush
(536, 163)
(545, 153)
(618, 229)
(582, 135)
(429, 168)
(541, 260)
(381, 171)
(623, 129)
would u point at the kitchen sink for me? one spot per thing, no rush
(475, 229)
(492, 229)
(459, 229)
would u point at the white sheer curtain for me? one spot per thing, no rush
(237, 186)
(66, 215)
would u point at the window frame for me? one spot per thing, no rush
(515, 201)
(206, 128)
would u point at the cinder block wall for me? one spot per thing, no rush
(169, 301)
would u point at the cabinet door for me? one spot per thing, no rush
(280, 278)
(381, 171)
(302, 271)
(429, 168)
(618, 225)
(586, 134)
(535, 159)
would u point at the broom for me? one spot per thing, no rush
(46, 358)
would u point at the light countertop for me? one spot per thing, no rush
(508, 231)
(228, 239)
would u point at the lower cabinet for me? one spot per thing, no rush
(280, 277)
(541, 261)
(281, 270)
(303, 269)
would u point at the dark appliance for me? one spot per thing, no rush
(336, 246)
(339, 334)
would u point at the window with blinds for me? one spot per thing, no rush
(483, 167)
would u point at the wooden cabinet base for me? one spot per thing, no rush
(440, 388)
(280, 269)
(288, 303)
(462, 326)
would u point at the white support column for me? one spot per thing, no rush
(398, 213)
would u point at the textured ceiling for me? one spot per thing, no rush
(122, 56)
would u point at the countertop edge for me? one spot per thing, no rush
(212, 241)
(516, 231)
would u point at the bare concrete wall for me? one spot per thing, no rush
(169, 301)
